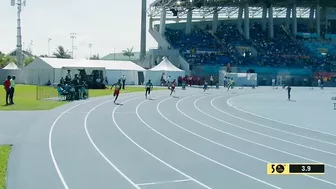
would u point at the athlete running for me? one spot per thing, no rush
(149, 87)
(205, 87)
(172, 87)
(117, 86)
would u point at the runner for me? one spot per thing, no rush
(117, 88)
(172, 87)
(149, 87)
(205, 87)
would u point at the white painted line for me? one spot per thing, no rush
(125, 112)
(164, 182)
(261, 125)
(98, 150)
(59, 173)
(245, 129)
(262, 134)
(277, 121)
(219, 144)
(149, 153)
(203, 156)
(76, 112)
(257, 144)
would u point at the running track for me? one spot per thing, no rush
(195, 140)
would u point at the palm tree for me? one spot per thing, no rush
(128, 52)
(61, 53)
(95, 57)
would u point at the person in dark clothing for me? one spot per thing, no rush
(289, 92)
(149, 87)
(7, 87)
(123, 79)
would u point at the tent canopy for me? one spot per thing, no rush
(166, 65)
(11, 66)
(83, 63)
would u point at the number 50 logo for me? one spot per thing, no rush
(274, 169)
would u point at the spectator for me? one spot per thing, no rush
(7, 87)
(12, 90)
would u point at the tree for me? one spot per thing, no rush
(95, 57)
(61, 53)
(128, 52)
(28, 60)
(5, 59)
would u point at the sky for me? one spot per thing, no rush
(109, 25)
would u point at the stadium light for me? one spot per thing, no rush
(73, 37)
(49, 39)
(178, 2)
(19, 57)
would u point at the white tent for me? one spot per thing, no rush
(11, 66)
(116, 69)
(43, 69)
(164, 70)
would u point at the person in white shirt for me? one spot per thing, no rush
(211, 81)
(319, 82)
(168, 82)
(273, 83)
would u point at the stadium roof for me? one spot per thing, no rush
(213, 3)
(230, 7)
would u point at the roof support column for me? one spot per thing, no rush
(264, 17)
(294, 20)
(270, 22)
(246, 21)
(311, 17)
(163, 21)
(288, 14)
(318, 19)
(189, 22)
(215, 20)
(143, 30)
(240, 17)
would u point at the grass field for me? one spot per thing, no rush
(29, 97)
(4, 154)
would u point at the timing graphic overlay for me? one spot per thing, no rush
(295, 168)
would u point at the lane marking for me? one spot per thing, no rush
(59, 173)
(262, 134)
(98, 150)
(203, 156)
(219, 144)
(219, 130)
(164, 182)
(256, 143)
(149, 153)
(277, 121)
(265, 126)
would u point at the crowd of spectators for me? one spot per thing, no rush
(201, 47)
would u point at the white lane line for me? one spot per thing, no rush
(257, 144)
(59, 173)
(219, 144)
(201, 155)
(164, 182)
(219, 130)
(211, 141)
(262, 134)
(265, 126)
(98, 150)
(277, 121)
(149, 153)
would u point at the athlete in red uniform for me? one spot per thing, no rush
(117, 86)
(172, 87)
